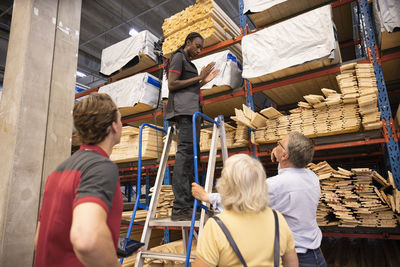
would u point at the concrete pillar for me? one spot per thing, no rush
(35, 115)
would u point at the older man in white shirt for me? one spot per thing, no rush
(294, 192)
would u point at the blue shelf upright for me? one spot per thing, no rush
(392, 145)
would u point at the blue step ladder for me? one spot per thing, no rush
(187, 226)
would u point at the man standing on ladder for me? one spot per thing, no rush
(184, 100)
(294, 192)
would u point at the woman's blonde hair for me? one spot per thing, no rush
(242, 184)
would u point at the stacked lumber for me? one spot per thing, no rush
(204, 17)
(355, 198)
(347, 82)
(140, 215)
(175, 247)
(128, 148)
(357, 83)
(165, 201)
(317, 116)
(368, 100)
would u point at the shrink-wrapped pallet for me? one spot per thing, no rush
(229, 77)
(269, 54)
(134, 94)
(137, 50)
(387, 23)
(263, 12)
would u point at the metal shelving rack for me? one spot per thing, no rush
(389, 138)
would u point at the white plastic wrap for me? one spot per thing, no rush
(304, 38)
(254, 6)
(388, 14)
(140, 88)
(164, 87)
(227, 63)
(118, 55)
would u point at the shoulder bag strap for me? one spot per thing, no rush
(230, 239)
(276, 242)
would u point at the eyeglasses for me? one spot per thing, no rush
(279, 143)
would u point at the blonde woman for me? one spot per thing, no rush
(248, 219)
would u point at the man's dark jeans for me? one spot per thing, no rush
(184, 165)
(312, 258)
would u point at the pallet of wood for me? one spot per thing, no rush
(128, 148)
(204, 17)
(296, 54)
(368, 100)
(129, 56)
(175, 247)
(265, 13)
(165, 201)
(360, 197)
(135, 94)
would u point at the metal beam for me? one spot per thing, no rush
(112, 13)
(116, 27)
(6, 11)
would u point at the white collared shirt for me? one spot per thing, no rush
(295, 193)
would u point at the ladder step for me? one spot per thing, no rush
(165, 256)
(168, 222)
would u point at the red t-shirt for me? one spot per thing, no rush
(87, 176)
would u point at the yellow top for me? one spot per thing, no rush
(254, 235)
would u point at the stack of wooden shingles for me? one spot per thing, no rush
(206, 18)
(389, 194)
(271, 126)
(335, 186)
(368, 99)
(332, 115)
(347, 82)
(165, 201)
(349, 198)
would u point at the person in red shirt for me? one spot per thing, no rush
(82, 204)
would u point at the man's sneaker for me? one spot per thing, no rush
(184, 214)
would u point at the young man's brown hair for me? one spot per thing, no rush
(92, 116)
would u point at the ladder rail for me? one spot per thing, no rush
(156, 193)
(139, 178)
(196, 177)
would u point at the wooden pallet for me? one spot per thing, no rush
(284, 10)
(144, 63)
(215, 90)
(138, 108)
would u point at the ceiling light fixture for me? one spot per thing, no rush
(133, 32)
(80, 74)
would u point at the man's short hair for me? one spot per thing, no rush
(242, 184)
(92, 116)
(300, 150)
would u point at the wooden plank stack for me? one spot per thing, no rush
(139, 217)
(355, 198)
(175, 247)
(319, 116)
(368, 90)
(128, 148)
(206, 18)
(165, 201)
(357, 83)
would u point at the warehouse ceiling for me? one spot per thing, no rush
(105, 22)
